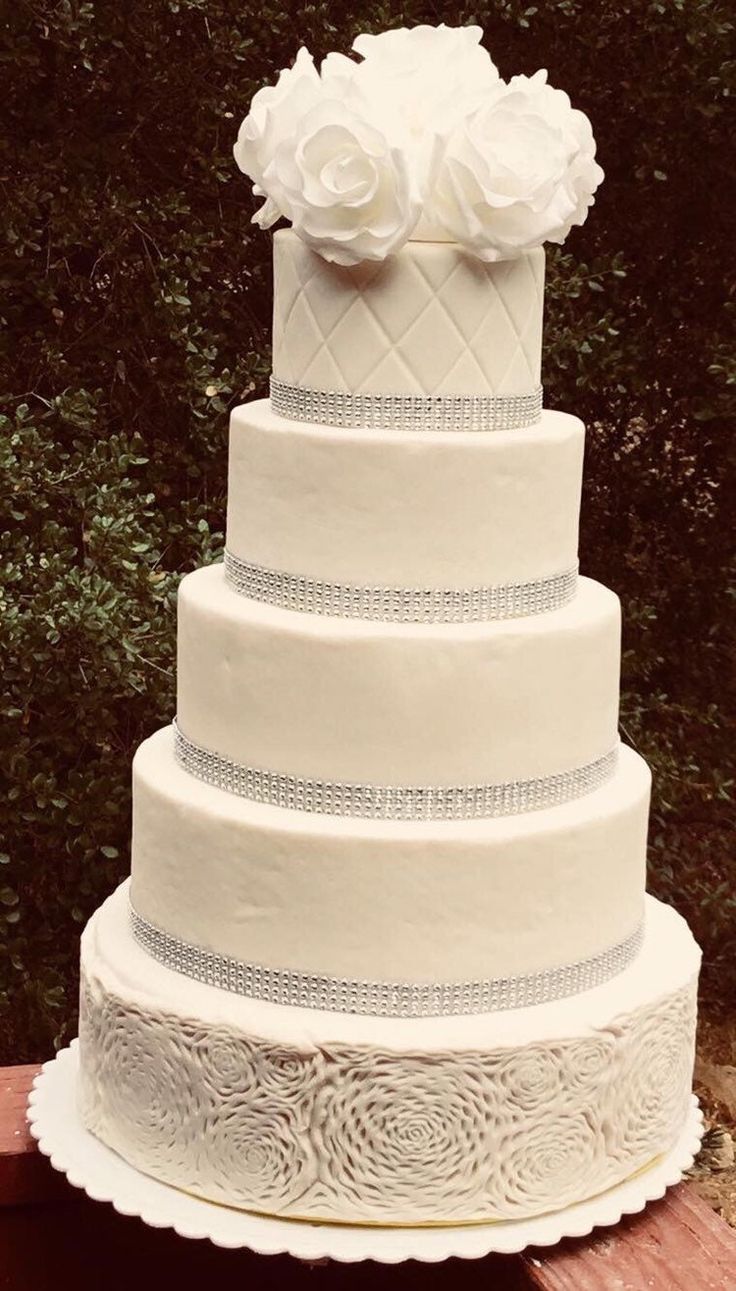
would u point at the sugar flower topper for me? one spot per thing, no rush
(421, 137)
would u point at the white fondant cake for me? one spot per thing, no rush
(386, 954)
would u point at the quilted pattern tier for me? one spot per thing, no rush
(431, 320)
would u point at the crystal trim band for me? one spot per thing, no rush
(383, 999)
(399, 604)
(392, 802)
(405, 411)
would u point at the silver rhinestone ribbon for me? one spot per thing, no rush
(405, 411)
(399, 604)
(392, 802)
(383, 999)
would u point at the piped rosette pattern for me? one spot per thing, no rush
(269, 1108)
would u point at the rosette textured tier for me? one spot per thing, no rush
(280, 1108)
(386, 954)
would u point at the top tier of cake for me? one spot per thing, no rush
(431, 320)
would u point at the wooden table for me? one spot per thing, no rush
(52, 1236)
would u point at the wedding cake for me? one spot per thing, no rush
(386, 955)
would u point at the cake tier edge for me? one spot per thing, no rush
(311, 1115)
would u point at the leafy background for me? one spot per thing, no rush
(135, 303)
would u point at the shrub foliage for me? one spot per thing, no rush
(135, 303)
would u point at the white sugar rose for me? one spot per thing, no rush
(274, 114)
(519, 172)
(347, 191)
(424, 81)
(418, 137)
(427, 78)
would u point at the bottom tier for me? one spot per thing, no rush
(354, 1119)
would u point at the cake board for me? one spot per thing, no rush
(105, 1176)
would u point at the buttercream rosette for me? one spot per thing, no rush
(262, 1157)
(388, 1128)
(655, 1079)
(147, 1085)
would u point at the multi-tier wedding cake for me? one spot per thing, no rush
(386, 954)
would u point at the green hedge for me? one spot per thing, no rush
(135, 301)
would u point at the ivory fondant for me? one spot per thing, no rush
(394, 745)
(381, 900)
(309, 1114)
(377, 703)
(410, 510)
(431, 320)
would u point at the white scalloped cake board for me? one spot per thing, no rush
(104, 1176)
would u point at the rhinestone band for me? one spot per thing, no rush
(383, 999)
(405, 411)
(399, 604)
(392, 802)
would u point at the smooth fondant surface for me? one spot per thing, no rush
(404, 509)
(376, 703)
(380, 900)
